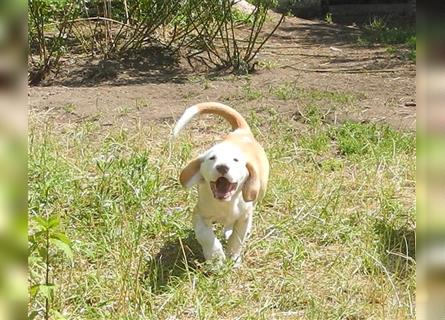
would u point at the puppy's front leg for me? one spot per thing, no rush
(211, 246)
(241, 228)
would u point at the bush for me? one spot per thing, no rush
(50, 23)
(209, 31)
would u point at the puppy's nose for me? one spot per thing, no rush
(222, 168)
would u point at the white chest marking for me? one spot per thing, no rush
(225, 212)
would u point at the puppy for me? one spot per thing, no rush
(232, 177)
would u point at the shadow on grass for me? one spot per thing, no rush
(398, 248)
(172, 262)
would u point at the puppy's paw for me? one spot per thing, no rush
(215, 254)
(214, 265)
(236, 261)
(227, 233)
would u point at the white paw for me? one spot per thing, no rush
(237, 260)
(215, 254)
(227, 233)
(215, 261)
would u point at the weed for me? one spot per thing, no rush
(142, 104)
(328, 18)
(268, 64)
(123, 111)
(187, 95)
(250, 93)
(207, 84)
(286, 91)
(69, 108)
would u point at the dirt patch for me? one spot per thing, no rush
(303, 54)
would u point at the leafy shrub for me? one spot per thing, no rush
(202, 30)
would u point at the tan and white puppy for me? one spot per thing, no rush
(232, 177)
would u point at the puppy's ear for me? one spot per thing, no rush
(190, 175)
(251, 187)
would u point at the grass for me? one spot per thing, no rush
(268, 64)
(240, 16)
(250, 93)
(333, 238)
(290, 91)
(124, 111)
(142, 104)
(69, 108)
(399, 40)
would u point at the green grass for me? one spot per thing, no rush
(290, 91)
(370, 139)
(333, 238)
(399, 40)
(69, 108)
(124, 111)
(240, 16)
(268, 64)
(142, 104)
(250, 93)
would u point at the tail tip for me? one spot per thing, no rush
(188, 114)
(175, 132)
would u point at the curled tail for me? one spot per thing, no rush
(235, 119)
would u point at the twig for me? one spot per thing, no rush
(248, 54)
(267, 38)
(127, 17)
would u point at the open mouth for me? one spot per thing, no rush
(222, 188)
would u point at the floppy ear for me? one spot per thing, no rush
(251, 187)
(190, 175)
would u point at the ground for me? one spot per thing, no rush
(303, 54)
(333, 239)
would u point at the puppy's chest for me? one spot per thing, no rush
(225, 212)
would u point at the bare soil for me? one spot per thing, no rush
(152, 85)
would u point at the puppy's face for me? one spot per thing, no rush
(223, 168)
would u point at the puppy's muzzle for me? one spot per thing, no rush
(222, 188)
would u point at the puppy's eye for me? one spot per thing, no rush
(235, 159)
(212, 158)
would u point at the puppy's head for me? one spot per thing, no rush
(226, 170)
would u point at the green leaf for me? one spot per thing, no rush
(47, 290)
(34, 290)
(34, 259)
(33, 315)
(64, 247)
(47, 223)
(42, 223)
(58, 315)
(62, 237)
(53, 222)
(43, 252)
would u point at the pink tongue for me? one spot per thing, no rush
(222, 185)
